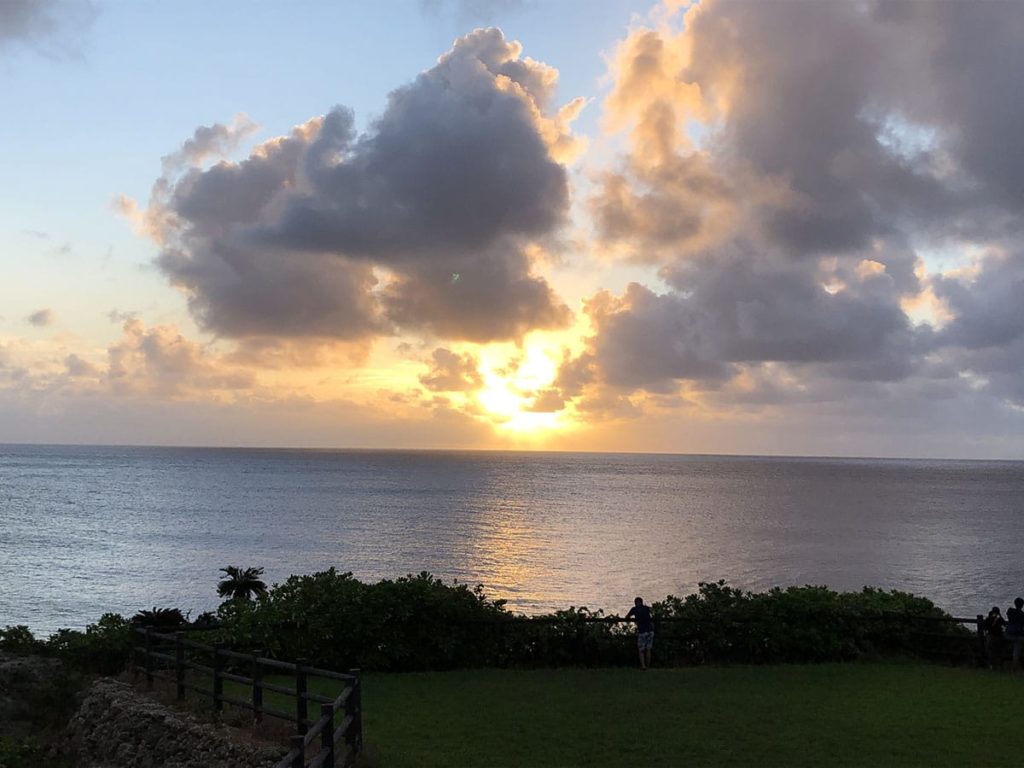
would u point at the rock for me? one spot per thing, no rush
(25, 681)
(117, 727)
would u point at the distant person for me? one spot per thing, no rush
(1015, 629)
(641, 614)
(994, 625)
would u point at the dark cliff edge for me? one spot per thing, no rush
(52, 717)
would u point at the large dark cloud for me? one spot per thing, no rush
(986, 333)
(815, 91)
(422, 223)
(827, 124)
(837, 140)
(632, 332)
(836, 143)
(975, 64)
(493, 295)
(744, 309)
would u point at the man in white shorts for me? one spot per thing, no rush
(641, 614)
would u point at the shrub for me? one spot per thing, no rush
(420, 622)
(796, 624)
(160, 618)
(21, 752)
(103, 648)
(414, 622)
(19, 640)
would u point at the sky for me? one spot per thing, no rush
(786, 227)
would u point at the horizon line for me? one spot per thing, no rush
(551, 451)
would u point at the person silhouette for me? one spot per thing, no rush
(994, 624)
(1015, 629)
(641, 614)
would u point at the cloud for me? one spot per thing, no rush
(878, 129)
(158, 363)
(152, 384)
(493, 296)
(648, 341)
(819, 147)
(50, 26)
(42, 318)
(452, 372)
(746, 308)
(547, 401)
(967, 46)
(787, 166)
(210, 141)
(986, 333)
(423, 224)
(161, 361)
(78, 367)
(273, 353)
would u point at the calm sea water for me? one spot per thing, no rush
(84, 530)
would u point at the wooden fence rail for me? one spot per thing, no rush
(173, 667)
(966, 646)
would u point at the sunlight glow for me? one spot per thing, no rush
(511, 382)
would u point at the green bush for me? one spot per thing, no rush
(103, 648)
(797, 624)
(414, 622)
(19, 640)
(21, 752)
(420, 623)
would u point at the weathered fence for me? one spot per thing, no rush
(172, 658)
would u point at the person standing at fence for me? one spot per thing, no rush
(641, 614)
(1015, 629)
(994, 624)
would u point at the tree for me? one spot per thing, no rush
(241, 583)
(160, 617)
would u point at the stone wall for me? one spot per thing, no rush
(117, 727)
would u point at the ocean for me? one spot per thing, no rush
(86, 530)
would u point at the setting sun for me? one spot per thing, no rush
(511, 383)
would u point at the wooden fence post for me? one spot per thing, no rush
(257, 687)
(149, 658)
(218, 679)
(179, 664)
(327, 734)
(299, 743)
(354, 707)
(301, 702)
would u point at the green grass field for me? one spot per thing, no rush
(822, 715)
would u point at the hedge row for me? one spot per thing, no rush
(422, 623)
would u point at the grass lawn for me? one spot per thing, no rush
(816, 715)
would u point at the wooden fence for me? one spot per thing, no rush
(172, 658)
(926, 632)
